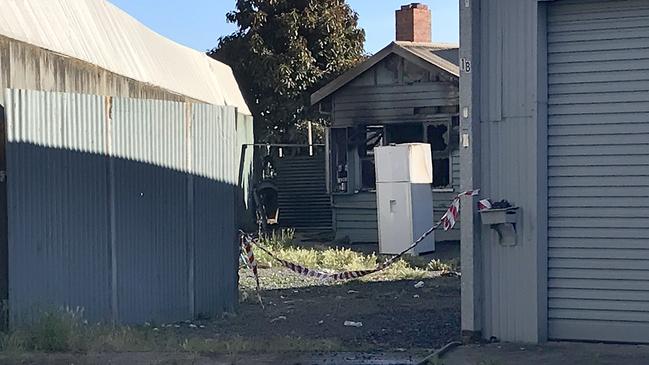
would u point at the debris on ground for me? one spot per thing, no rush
(426, 323)
(280, 318)
(450, 274)
(353, 324)
(419, 285)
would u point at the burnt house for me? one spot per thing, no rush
(405, 93)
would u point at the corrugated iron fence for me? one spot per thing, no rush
(303, 199)
(123, 207)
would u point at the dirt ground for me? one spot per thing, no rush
(394, 315)
(399, 321)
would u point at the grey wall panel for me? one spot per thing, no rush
(150, 232)
(59, 247)
(216, 248)
(150, 210)
(512, 164)
(598, 170)
(123, 207)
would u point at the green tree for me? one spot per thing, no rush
(282, 52)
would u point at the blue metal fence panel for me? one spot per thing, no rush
(123, 207)
(150, 205)
(214, 240)
(59, 248)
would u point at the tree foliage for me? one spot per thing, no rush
(282, 52)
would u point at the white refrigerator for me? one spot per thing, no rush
(404, 176)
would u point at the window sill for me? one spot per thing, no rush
(443, 190)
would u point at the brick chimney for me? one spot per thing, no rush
(414, 23)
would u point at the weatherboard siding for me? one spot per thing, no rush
(355, 217)
(378, 104)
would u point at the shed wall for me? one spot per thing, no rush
(507, 103)
(122, 207)
(25, 66)
(598, 170)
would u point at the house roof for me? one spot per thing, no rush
(441, 56)
(97, 32)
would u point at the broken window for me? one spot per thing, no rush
(374, 136)
(339, 167)
(365, 139)
(404, 133)
(438, 136)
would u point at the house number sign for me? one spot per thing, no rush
(465, 65)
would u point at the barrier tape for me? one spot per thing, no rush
(447, 222)
(246, 245)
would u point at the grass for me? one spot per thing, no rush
(332, 259)
(445, 266)
(64, 331)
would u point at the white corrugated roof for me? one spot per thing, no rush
(98, 32)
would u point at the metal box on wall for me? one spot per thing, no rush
(404, 197)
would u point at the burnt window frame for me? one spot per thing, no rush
(341, 148)
(367, 156)
(448, 153)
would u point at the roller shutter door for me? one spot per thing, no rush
(598, 170)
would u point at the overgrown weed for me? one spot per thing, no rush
(335, 259)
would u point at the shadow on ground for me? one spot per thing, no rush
(394, 315)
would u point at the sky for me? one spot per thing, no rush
(199, 23)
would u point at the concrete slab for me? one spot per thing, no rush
(554, 353)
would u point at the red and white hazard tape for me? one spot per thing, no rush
(246, 246)
(447, 222)
(453, 213)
